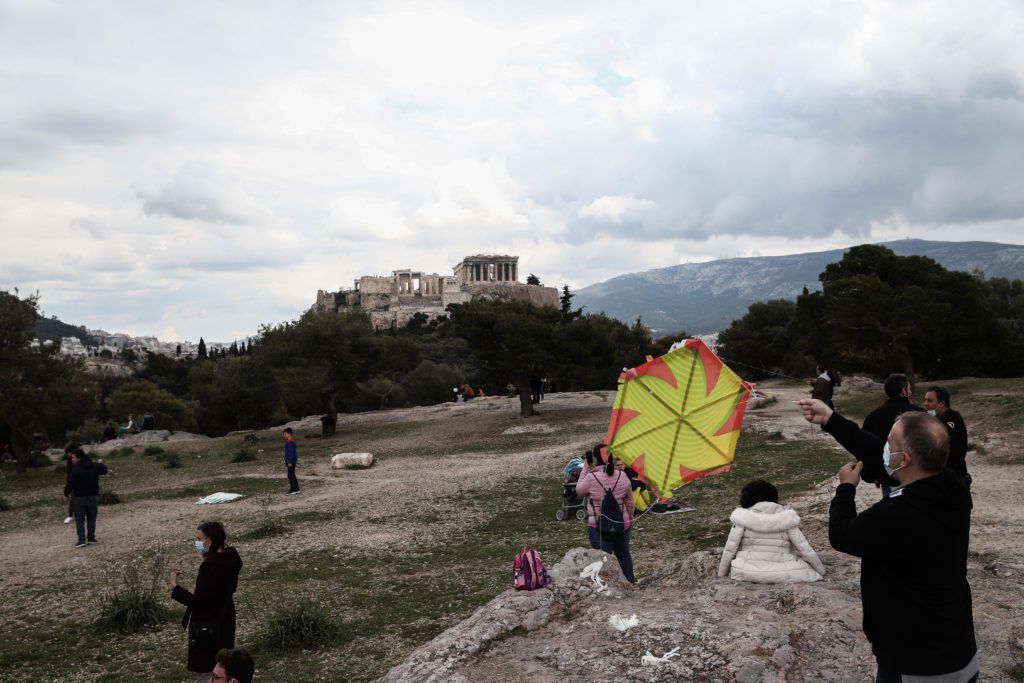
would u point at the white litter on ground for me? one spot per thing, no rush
(621, 623)
(219, 497)
(593, 571)
(651, 660)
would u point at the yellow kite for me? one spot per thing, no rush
(677, 418)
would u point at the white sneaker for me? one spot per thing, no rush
(67, 520)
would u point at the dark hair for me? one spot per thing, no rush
(609, 467)
(926, 438)
(237, 664)
(895, 384)
(288, 430)
(215, 532)
(940, 395)
(758, 491)
(72, 446)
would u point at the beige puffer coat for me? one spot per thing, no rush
(766, 546)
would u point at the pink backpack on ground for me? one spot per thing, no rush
(528, 572)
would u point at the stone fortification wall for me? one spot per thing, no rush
(514, 291)
(375, 284)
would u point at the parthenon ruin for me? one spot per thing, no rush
(393, 300)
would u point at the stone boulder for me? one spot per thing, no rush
(345, 461)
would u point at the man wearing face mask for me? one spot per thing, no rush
(913, 549)
(880, 420)
(936, 402)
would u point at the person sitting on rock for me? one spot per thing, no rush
(765, 544)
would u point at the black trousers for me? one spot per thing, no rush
(293, 482)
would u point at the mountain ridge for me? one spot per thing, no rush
(703, 298)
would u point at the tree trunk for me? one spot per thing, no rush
(525, 396)
(330, 424)
(20, 453)
(899, 343)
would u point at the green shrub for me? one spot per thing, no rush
(88, 432)
(4, 505)
(170, 459)
(122, 452)
(37, 459)
(300, 627)
(107, 494)
(244, 455)
(269, 525)
(134, 593)
(250, 438)
(153, 450)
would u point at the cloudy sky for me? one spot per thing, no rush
(187, 169)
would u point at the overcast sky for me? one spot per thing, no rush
(187, 169)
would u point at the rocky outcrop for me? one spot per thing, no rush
(513, 612)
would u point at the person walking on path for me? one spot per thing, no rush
(821, 387)
(291, 458)
(83, 491)
(596, 482)
(68, 466)
(936, 402)
(913, 547)
(210, 611)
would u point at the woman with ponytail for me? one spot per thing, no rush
(609, 524)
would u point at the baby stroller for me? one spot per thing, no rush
(570, 501)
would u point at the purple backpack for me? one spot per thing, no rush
(528, 572)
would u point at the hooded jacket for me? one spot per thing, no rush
(216, 583)
(913, 576)
(766, 546)
(84, 478)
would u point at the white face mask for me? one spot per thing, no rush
(885, 460)
(932, 413)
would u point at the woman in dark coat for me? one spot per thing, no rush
(211, 609)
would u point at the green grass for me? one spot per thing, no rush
(247, 486)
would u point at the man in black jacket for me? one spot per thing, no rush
(880, 420)
(84, 488)
(897, 392)
(913, 548)
(936, 402)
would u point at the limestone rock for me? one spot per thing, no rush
(344, 461)
(511, 612)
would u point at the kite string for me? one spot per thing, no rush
(765, 370)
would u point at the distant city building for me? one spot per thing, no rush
(392, 301)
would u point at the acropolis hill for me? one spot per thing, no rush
(392, 300)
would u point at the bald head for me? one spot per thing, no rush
(925, 438)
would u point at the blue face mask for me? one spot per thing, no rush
(203, 550)
(885, 460)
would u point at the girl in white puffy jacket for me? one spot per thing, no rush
(765, 544)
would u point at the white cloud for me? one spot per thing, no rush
(227, 170)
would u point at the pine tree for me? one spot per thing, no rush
(201, 352)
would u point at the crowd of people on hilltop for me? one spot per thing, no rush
(913, 543)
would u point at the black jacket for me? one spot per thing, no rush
(216, 583)
(957, 442)
(880, 420)
(862, 445)
(913, 580)
(84, 479)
